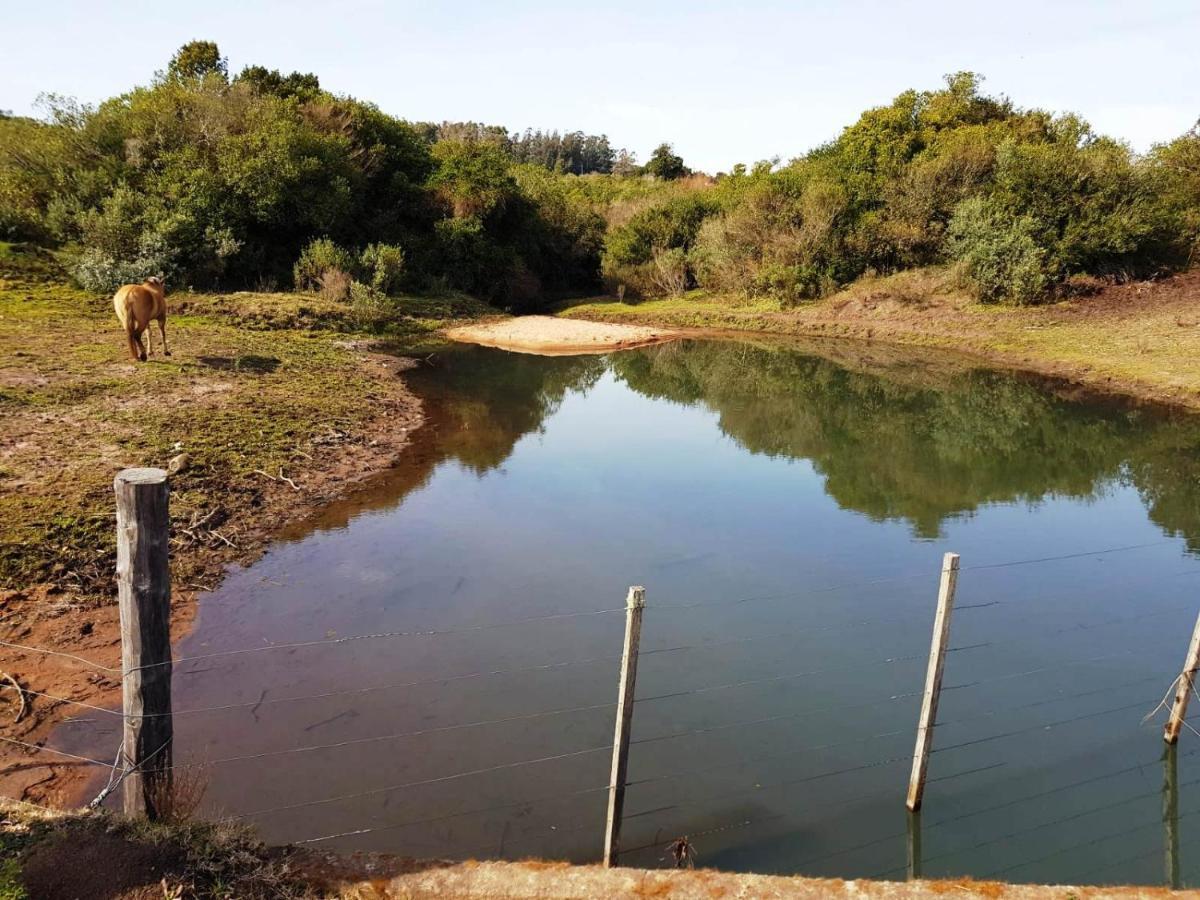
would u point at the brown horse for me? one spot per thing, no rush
(138, 305)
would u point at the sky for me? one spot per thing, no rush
(724, 82)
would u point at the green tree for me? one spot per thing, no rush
(302, 85)
(665, 163)
(196, 59)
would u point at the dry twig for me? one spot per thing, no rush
(22, 702)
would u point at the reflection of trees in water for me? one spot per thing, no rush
(918, 443)
(483, 401)
(477, 403)
(899, 448)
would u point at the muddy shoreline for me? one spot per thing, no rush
(47, 616)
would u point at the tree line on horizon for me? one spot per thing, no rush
(265, 179)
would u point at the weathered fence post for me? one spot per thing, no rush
(634, 604)
(933, 680)
(1183, 687)
(1170, 815)
(913, 845)
(144, 595)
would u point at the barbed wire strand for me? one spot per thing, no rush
(40, 748)
(1040, 727)
(457, 815)
(99, 667)
(288, 751)
(426, 781)
(324, 695)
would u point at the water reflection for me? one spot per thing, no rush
(921, 440)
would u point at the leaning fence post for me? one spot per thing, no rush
(634, 604)
(144, 595)
(1183, 688)
(933, 680)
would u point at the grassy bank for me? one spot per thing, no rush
(1141, 339)
(270, 406)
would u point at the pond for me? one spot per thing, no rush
(787, 509)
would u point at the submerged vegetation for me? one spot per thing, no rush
(265, 179)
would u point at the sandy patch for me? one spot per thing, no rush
(550, 336)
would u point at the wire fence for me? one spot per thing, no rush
(789, 742)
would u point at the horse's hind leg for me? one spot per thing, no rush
(137, 339)
(149, 340)
(132, 343)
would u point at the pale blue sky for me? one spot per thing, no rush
(724, 82)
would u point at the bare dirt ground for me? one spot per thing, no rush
(550, 336)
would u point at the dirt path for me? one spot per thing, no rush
(550, 336)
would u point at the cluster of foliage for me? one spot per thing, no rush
(213, 179)
(216, 180)
(574, 153)
(1020, 199)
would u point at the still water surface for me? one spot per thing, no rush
(787, 513)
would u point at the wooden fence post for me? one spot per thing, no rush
(144, 595)
(1170, 816)
(1183, 687)
(933, 680)
(634, 604)
(913, 846)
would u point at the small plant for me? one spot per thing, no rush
(372, 309)
(335, 285)
(177, 797)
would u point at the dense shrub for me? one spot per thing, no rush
(224, 181)
(250, 180)
(1178, 165)
(1000, 252)
(1026, 201)
(98, 271)
(320, 256)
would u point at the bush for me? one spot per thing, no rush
(667, 226)
(1000, 253)
(669, 272)
(790, 284)
(370, 308)
(383, 266)
(103, 272)
(320, 256)
(335, 285)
